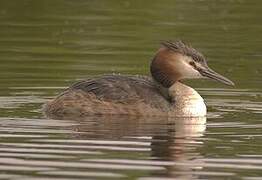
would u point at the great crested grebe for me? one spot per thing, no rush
(161, 95)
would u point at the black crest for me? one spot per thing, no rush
(187, 50)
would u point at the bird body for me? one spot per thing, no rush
(126, 95)
(163, 94)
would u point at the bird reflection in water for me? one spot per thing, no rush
(172, 143)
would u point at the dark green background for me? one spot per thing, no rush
(48, 42)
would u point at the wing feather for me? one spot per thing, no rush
(123, 89)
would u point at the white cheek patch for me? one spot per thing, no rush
(187, 71)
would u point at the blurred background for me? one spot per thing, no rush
(55, 42)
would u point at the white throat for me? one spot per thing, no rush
(187, 101)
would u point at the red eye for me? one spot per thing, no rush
(192, 63)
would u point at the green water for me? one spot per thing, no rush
(46, 45)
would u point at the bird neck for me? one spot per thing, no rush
(186, 101)
(181, 92)
(164, 67)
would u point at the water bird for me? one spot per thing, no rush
(161, 94)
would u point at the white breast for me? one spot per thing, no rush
(187, 101)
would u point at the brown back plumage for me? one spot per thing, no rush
(110, 94)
